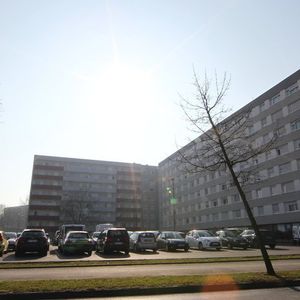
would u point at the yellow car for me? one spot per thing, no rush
(3, 243)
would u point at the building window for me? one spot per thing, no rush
(236, 213)
(294, 106)
(224, 215)
(270, 172)
(215, 217)
(297, 144)
(258, 193)
(275, 208)
(273, 190)
(224, 201)
(236, 198)
(283, 149)
(277, 115)
(264, 122)
(260, 210)
(295, 125)
(275, 99)
(291, 206)
(215, 203)
(281, 131)
(291, 89)
(284, 168)
(287, 187)
(262, 106)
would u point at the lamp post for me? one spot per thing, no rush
(173, 201)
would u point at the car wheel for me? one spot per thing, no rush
(219, 249)
(272, 246)
(127, 251)
(44, 253)
(154, 250)
(89, 253)
(245, 248)
(200, 246)
(18, 253)
(186, 249)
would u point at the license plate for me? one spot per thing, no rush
(118, 243)
(32, 241)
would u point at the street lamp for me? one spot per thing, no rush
(173, 201)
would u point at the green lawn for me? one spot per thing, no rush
(201, 281)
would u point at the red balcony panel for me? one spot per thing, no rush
(49, 177)
(44, 207)
(46, 187)
(42, 218)
(52, 168)
(45, 197)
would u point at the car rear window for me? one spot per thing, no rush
(78, 235)
(33, 234)
(117, 233)
(147, 235)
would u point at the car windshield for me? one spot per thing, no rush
(33, 234)
(204, 234)
(173, 235)
(78, 235)
(10, 235)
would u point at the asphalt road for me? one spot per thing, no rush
(291, 293)
(146, 270)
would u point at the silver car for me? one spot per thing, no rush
(203, 239)
(142, 240)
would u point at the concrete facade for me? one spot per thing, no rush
(209, 201)
(90, 192)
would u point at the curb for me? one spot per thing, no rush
(147, 291)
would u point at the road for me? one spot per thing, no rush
(145, 270)
(291, 293)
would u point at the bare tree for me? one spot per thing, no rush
(76, 207)
(224, 144)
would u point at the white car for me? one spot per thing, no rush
(202, 239)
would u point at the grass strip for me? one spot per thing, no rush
(92, 263)
(201, 281)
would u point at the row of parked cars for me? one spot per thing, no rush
(119, 239)
(29, 240)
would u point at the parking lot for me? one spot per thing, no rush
(54, 255)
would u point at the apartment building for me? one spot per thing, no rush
(210, 201)
(67, 190)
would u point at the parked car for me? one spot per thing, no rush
(11, 238)
(232, 239)
(3, 243)
(202, 239)
(142, 240)
(32, 240)
(95, 237)
(268, 238)
(171, 240)
(76, 242)
(113, 239)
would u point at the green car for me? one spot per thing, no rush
(77, 242)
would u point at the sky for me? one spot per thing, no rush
(101, 80)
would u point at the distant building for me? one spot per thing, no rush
(67, 190)
(14, 218)
(210, 201)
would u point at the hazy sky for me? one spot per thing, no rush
(100, 79)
